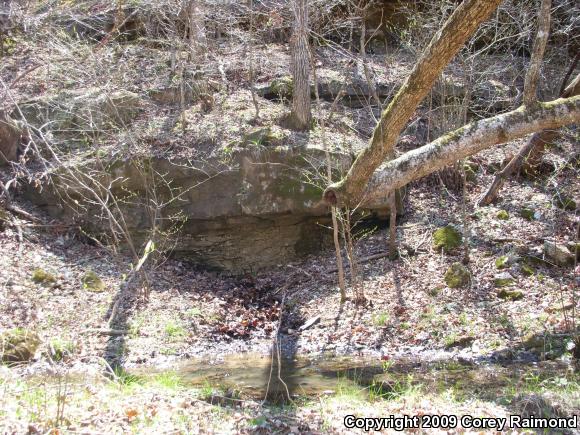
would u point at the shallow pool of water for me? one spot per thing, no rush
(254, 376)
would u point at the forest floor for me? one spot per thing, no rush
(409, 311)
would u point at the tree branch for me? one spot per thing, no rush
(468, 140)
(532, 150)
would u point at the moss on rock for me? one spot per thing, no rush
(503, 280)
(506, 261)
(527, 214)
(283, 87)
(457, 276)
(41, 276)
(263, 136)
(528, 270)
(558, 254)
(564, 202)
(18, 345)
(503, 215)
(512, 295)
(92, 282)
(502, 262)
(446, 238)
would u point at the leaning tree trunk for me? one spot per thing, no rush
(468, 140)
(301, 115)
(443, 47)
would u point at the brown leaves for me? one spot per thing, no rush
(131, 414)
(249, 307)
(243, 322)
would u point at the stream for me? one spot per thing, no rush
(254, 376)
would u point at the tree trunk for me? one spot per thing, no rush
(533, 73)
(301, 115)
(468, 140)
(443, 47)
(196, 27)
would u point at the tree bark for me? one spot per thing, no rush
(301, 115)
(468, 140)
(443, 47)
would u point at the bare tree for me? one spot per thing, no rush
(539, 139)
(301, 115)
(334, 210)
(393, 250)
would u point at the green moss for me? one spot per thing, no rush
(512, 295)
(446, 238)
(92, 282)
(263, 136)
(41, 276)
(434, 292)
(528, 270)
(470, 174)
(18, 345)
(502, 262)
(503, 280)
(574, 248)
(175, 331)
(527, 214)
(565, 203)
(380, 319)
(60, 349)
(453, 340)
(457, 276)
(503, 215)
(283, 87)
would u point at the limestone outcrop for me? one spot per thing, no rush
(254, 208)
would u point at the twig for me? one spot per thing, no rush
(410, 250)
(362, 260)
(105, 331)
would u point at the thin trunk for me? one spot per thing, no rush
(333, 210)
(465, 109)
(443, 47)
(393, 249)
(536, 153)
(196, 25)
(251, 59)
(533, 73)
(301, 115)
